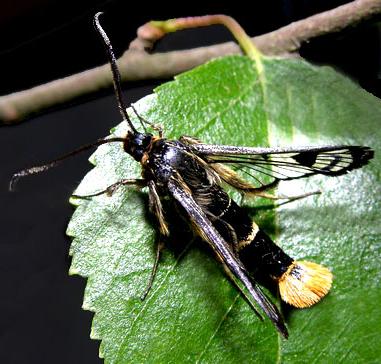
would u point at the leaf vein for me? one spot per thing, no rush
(150, 297)
(230, 104)
(223, 318)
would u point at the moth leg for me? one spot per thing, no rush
(158, 128)
(157, 209)
(232, 235)
(112, 188)
(232, 178)
(189, 140)
(248, 190)
(159, 248)
(284, 197)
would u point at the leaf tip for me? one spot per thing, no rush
(73, 271)
(93, 334)
(101, 352)
(75, 201)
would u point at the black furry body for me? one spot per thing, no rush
(173, 159)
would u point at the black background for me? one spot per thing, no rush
(41, 320)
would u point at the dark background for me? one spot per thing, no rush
(41, 320)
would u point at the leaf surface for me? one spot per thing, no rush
(193, 314)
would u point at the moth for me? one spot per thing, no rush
(192, 175)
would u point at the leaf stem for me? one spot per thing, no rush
(172, 25)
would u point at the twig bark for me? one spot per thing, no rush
(136, 64)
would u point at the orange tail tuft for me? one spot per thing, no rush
(304, 283)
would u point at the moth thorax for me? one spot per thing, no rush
(304, 283)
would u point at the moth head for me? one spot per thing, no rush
(304, 283)
(136, 144)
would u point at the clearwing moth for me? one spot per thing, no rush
(192, 175)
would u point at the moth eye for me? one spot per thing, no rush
(147, 141)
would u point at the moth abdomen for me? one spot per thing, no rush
(301, 283)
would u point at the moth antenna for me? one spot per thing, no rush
(304, 283)
(56, 162)
(116, 79)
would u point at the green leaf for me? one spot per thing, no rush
(193, 313)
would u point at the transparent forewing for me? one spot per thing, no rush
(287, 163)
(234, 266)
